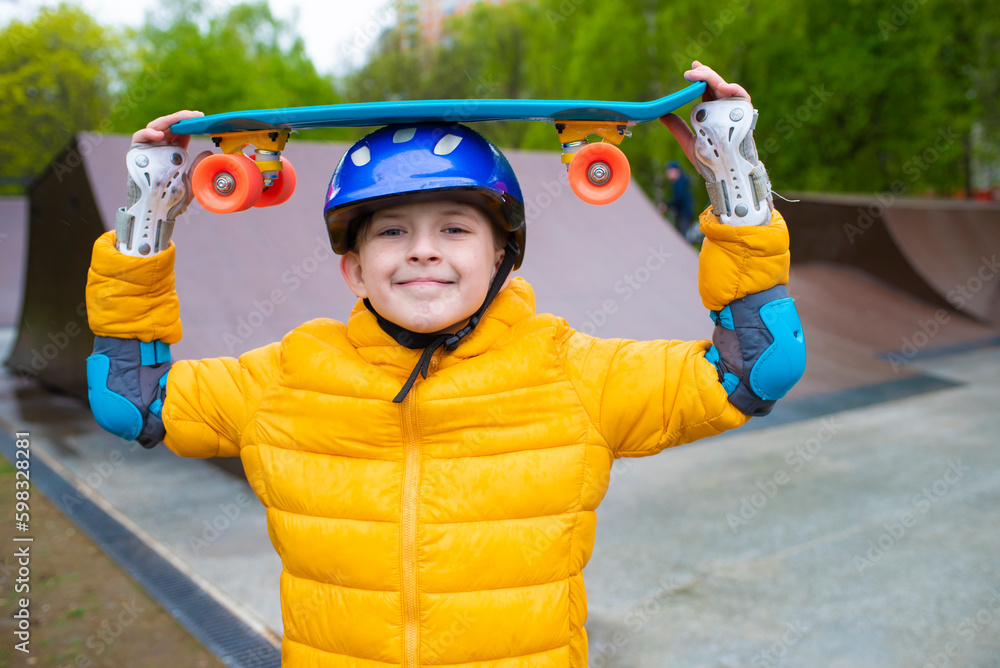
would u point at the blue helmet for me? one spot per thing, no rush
(420, 162)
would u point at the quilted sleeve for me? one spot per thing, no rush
(132, 297)
(740, 261)
(644, 396)
(209, 402)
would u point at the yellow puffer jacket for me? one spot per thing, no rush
(451, 529)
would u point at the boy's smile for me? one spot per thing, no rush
(425, 266)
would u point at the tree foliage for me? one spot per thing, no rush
(188, 58)
(62, 73)
(56, 72)
(854, 95)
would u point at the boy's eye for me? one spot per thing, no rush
(389, 232)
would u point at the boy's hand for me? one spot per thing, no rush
(717, 89)
(158, 131)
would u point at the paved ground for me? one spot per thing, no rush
(865, 538)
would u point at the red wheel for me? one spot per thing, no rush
(599, 173)
(282, 188)
(227, 183)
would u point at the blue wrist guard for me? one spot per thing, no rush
(126, 384)
(759, 349)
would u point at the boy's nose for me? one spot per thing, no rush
(424, 247)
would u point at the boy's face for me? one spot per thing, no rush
(449, 244)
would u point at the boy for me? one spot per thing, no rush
(446, 520)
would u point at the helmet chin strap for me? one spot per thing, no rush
(431, 342)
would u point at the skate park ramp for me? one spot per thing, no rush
(862, 332)
(872, 294)
(13, 230)
(246, 279)
(875, 280)
(944, 252)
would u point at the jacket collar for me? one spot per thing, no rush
(513, 304)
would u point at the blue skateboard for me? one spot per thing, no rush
(598, 171)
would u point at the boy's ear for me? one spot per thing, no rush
(350, 269)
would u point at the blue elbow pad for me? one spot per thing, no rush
(126, 385)
(759, 349)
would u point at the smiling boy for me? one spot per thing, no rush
(428, 264)
(447, 522)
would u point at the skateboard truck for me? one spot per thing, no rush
(231, 181)
(598, 171)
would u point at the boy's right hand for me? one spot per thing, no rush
(158, 131)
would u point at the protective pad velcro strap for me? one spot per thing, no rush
(123, 226)
(720, 199)
(153, 352)
(730, 381)
(760, 182)
(723, 318)
(156, 408)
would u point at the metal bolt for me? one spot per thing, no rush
(144, 249)
(176, 158)
(225, 183)
(736, 115)
(701, 115)
(141, 161)
(741, 210)
(599, 173)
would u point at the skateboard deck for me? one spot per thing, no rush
(599, 171)
(417, 111)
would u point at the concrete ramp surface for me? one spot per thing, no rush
(954, 248)
(13, 237)
(944, 252)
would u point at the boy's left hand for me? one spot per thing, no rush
(717, 89)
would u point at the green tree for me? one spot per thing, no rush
(187, 58)
(55, 74)
(854, 95)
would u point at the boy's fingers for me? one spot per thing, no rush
(734, 90)
(147, 135)
(681, 132)
(158, 129)
(717, 87)
(164, 122)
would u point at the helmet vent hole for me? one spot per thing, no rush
(447, 144)
(403, 135)
(361, 157)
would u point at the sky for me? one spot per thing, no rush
(337, 33)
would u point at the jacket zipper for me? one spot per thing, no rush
(408, 528)
(407, 535)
